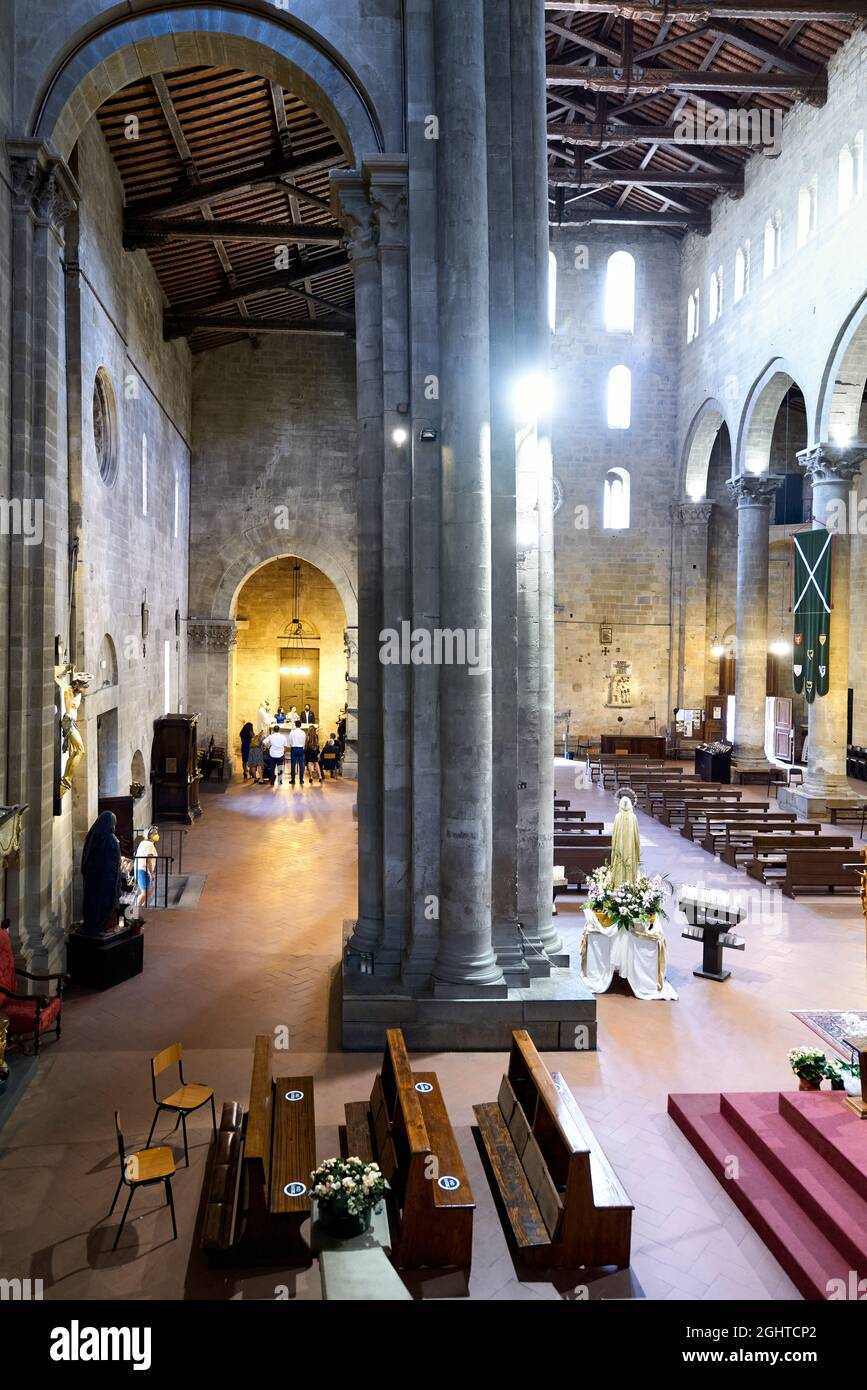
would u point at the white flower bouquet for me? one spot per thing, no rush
(630, 904)
(347, 1190)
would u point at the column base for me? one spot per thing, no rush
(750, 762)
(559, 1013)
(816, 803)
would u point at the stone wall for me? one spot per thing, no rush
(274, 475)
(264, 610)
(622, 577)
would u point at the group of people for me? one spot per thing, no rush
(290, 740)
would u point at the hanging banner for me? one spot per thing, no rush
(812, 571)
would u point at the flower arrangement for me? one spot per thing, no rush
(810, 1065)
(347, 1190)
(630, 903)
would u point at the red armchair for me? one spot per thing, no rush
(29, 1015)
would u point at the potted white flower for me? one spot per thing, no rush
(347, 1190)
(810, 1065)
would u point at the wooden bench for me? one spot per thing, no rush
(431, 1202)
(736, 846)
(673, 809)
(561, 815)
(828, 854)
(577, 833)
(849, 815)
(710, 820)
(563, 1201)
(657, 795)
(276, 1155)
(612, 769)
(804, 874)
(579, 861)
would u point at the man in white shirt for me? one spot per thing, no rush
(297, 740)
(276, 745)
(145, 866)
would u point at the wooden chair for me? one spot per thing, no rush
(144, 1168)
(565, 1205)
(189, 1096)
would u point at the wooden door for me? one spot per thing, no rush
(783, 731)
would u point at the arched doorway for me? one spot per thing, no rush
(291, 644)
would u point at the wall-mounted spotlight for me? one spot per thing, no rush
(399, 436)
(427, 435)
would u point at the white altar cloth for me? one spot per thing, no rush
(637, 956)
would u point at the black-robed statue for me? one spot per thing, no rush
(100, 869)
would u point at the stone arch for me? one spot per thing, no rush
(706, 425)
(843, 380)
(261, 544)
(114, 52)
(759, 415)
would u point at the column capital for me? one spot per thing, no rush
(837, 463)
(41, 183)
(350, 200)
(387, 178)
(693, 513)
(754, 489)
(212, 634)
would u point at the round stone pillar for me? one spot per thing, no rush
(465, 960)
(832, 470)
(754, 494)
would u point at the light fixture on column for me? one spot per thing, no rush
(533, 397)
(399, 436)
(294, 634)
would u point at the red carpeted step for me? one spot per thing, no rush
(827, 1198)
(834, 1130)
(807, 1256)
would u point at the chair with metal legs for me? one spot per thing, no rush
(188, 1097)
(143, 1168)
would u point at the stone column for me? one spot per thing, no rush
(832, 470)
(211, 644)
(535, 503)
(353, 208)
(44, 194)
(465, 959)
(690, 644)
(754, 494)
(386, 176)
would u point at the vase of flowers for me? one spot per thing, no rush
(810, 1065)
(626, 905)
(347, 1190)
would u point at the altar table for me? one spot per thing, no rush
(636, 955)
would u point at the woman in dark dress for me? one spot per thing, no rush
(246, 740)
(100, 869)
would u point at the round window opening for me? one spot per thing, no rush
(104, 428)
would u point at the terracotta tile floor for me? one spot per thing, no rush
(262, 950)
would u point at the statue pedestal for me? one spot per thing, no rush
(100, 962)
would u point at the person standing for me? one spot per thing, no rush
(145, 866)
(307, 716)
(276, 745)
(311, 754)
(246, 737)
(257, 761)
(280, 716)
(297, 740)
(263, 719)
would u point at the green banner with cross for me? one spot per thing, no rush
(812, 571)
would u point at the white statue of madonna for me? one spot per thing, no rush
(625, 844)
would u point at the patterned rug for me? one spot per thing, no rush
(832, 1027)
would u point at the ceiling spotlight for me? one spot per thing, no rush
(399, 435)
(717, 649)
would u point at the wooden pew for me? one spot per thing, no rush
(565, 1205)
(431, 1202)
(579, 861)
(277, 1156)
(805, 874)
(561, 815)
(611, 769)
(577, 833)
(709, 815)
(737, 845)
(827, 855)
(659, 793)
(675, 809)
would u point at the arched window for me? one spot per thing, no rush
(692, 316)
(552, 290)
(619, 398)
(620, 293)
(806, 213)
(615, 502)
(845, 178)
(773, 236)
(715, 295)
(144, 475)
(742, 272)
